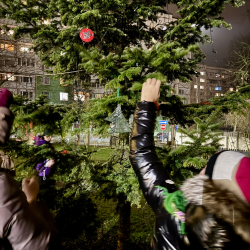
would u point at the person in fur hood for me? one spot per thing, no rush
(210, 210)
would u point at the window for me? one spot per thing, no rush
(31, 95)
(2, 62)
(10, 32)
(6, 46)
(237, 90)
(217, 94)
(2, 76)
(24, 61)
(231, 89)
(98, 96)
(30, 62)
(46, 94)
(217, 88)
(64, 96)
(79, 96)
(222, 76)
(25, 79)
(202, 73)
(24, 49)
(202, 87)
(181, 91)
(217, 75)
(202, 80)
(25, 94)
(10, 77)
(10, 62)
(195, 86)
(221, 94)
(45, 81)
(19, 61)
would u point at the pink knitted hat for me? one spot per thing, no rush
(6, 98)
(231, 170)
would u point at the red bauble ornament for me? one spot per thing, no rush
(86, 35)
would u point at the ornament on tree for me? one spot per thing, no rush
(87, 35)
(119, 123)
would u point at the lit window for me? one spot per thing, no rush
(195, 86)
(217, 94)
(202, 73)
(231, 89)
(79, 96)
(236, 90)
(24, 49)
(64, 96)
(11, 32)
(217, 88)
(98, 96)
(46, 22)
(10, 77)
(222, 94)
(45, 81)
(8, 47)
(202, 80)
(201, 87)
(222, 76)
(217, 75)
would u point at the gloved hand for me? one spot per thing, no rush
(30, 187)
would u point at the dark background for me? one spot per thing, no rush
(239, 18)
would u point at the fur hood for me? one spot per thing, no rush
(224, 206)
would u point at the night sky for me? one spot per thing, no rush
(222, 37)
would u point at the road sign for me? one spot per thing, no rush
(163, 126)
(163, 122)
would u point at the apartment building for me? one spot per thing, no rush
(18, 63)
(211, 82)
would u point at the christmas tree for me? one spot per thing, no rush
(129, 46)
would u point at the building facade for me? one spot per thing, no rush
(18, 63)
(51, 87)
(211, 82)
(22, 72)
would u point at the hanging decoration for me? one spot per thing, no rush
(87, 35)
(119, 123)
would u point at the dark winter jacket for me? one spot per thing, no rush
(23, 226)
(210, 209)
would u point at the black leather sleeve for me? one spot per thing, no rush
(143, 157)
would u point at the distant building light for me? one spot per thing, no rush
(202, 73)
(222, 76)
(195, 86)
(217, 75)
(217, 88)
(202, 80)
(24, 49)
(64, 96)
(201, 87)
(231, 89)
(217, 94)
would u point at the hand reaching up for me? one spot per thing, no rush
(151, 90)
(30, 187)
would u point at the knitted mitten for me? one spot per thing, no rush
(6, 98)
(6, 116)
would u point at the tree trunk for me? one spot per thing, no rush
(124, 225)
